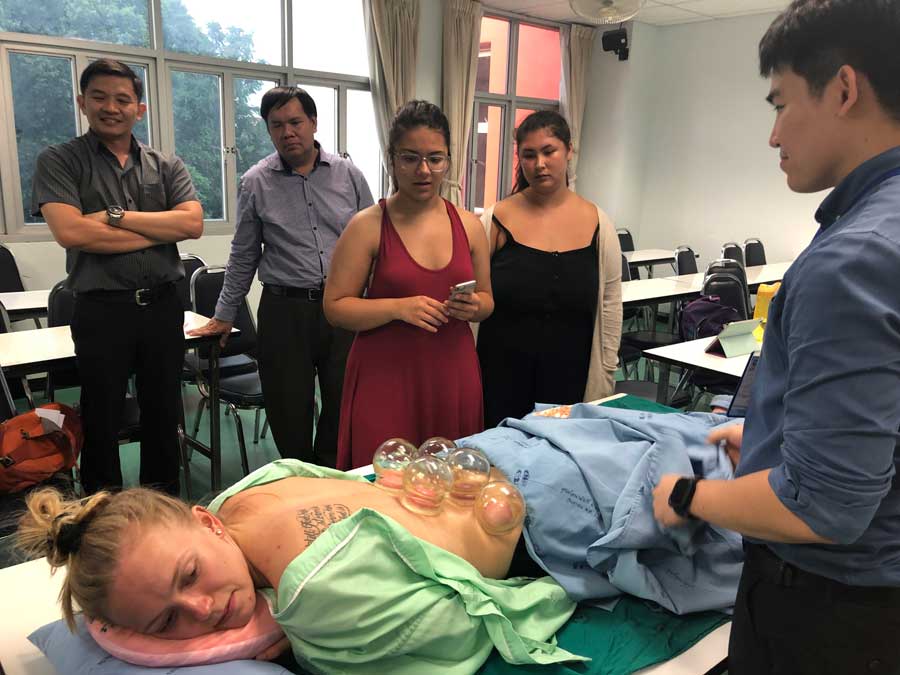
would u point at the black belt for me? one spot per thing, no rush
(762, 560)
(310, 294)
(138, 296)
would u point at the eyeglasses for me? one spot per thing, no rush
(410, 161)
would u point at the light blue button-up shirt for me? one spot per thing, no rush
(288, 224)
(825, 410)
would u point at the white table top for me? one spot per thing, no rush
(691, 354)
(25, 301)
(648, 256)
(659, 289)
(45, 345)
(767, 274)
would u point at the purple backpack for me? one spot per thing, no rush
(705, 317)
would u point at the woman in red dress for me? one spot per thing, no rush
(412, 371)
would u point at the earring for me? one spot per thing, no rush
(219, 532)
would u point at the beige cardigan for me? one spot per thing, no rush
(608, 322)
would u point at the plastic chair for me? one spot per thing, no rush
(10, 279)
(754, 253)
(626, 244)
(731, 289)
(685, 261)
(733, 251)
(191, 263)
(238, 391)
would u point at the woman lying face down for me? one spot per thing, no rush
(148, 562)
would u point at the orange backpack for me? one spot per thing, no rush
(29, 454)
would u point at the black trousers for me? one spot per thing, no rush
(791, 622)
(296, 343)
(115, 338)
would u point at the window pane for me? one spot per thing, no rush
(251, 137)
(485, 169)
(122, 22)
(326, 109)
(521, 114)
(362, 141)
(493, 51)
(43, 110)
(243, 31)
(538, 69)
(330, 36)
(141, 130)
(197, 110)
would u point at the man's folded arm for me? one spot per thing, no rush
(73, 229)
(184, 221)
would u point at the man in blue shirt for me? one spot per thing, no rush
(815, 493)
(292, 207)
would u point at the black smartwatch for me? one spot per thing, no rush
(114, 215)
(682, 494)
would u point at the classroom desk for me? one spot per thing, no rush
(25, 304)
(691, 354)
(658, 290)
(648, 257)
(30, 601)
(39, 350)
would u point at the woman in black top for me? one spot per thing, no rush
(556, 275)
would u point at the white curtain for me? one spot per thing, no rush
(576, 43)
(462, 33)
(392, 35)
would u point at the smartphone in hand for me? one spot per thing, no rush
(464, 287)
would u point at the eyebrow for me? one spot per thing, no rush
(773, 95)
(178, 565)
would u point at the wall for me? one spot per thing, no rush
(680, 133)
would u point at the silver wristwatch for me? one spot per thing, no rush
(114, 215)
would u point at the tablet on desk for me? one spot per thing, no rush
(741, 399)
(735, 339)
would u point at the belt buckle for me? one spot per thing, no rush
(137, 297)
(311, 294)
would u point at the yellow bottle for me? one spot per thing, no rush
(764, 295)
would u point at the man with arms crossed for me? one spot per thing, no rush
(815, 493)
(292, 207)
(118, 207)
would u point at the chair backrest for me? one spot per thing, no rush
(60, 305)
(730, 266)
(626, 241)
(60, 308)
(626, 270)
(731, 289)
(733, 251)
(206, 284)
(191, 263)
(754, 253)
(10, 279)
(685, 260)
(4, 320)
(7, 405)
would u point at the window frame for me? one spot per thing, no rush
(158, 95)
(508, 102)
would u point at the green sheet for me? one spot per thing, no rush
(635, 635)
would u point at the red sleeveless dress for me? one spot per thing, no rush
(400, 380)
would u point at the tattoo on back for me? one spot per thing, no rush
(316, 519)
